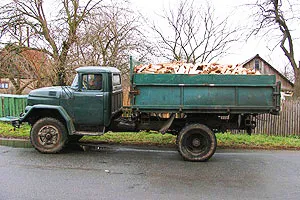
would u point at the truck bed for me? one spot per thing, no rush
(222, 94)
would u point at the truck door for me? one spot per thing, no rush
(89, 100)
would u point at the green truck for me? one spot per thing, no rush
(193, 107)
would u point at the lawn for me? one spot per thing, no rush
(225, 140)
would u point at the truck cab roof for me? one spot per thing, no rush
(97, 69)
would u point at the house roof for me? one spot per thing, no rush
(258, 57)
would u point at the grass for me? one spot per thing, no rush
(225, 140)
(8, 131)
(259, 141)
(145, 138)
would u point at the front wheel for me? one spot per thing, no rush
(196, 142)
(48, 135)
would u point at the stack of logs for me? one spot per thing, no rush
(188, 68)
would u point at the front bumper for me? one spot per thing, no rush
(15, 121)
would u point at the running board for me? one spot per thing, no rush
(89, 133)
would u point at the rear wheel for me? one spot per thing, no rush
(48, 135)
(196, 142)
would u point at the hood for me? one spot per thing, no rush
(53, 92)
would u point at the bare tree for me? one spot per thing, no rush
(53, 36)
(109, 36)
(288, 72)
(23, 68)
(278, 16)
(195, 34)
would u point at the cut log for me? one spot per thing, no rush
(189, 68)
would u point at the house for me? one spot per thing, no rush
(258, 63)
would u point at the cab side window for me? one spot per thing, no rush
(116, 80)
(92, 82)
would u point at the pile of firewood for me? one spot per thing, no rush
(188, 68)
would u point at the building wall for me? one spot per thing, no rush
(266, 69)
(8, 87)
(11, 88)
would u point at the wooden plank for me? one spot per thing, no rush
(290, 120)
(280, 120)
(1, 107)
(267, 126)
(286, 104)
(297, 121)
(290, 123)
(297, 130)
(282, 113)
(275, 124)
(14, 106)
(6, 106)
(295, 114)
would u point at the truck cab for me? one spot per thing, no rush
(96, 96)
(66, 113)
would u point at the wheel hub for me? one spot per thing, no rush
(48, 135)
(196, 142)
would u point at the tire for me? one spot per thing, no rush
(74, 138)
(48, 135)
(196, 142)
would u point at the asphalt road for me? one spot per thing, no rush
(127, 173)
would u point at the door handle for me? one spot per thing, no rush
(99, 95)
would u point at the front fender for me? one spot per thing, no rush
(31, 110)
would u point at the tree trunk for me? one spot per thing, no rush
(15, 84)
(61, 76)
(296, 94)
(60, 71)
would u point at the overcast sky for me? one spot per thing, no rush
(240, 14)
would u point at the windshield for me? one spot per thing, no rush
(75, 82)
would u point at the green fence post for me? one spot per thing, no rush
(6, 106)
(1, 106)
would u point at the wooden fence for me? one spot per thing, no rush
(12, 105)
(287, 123)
